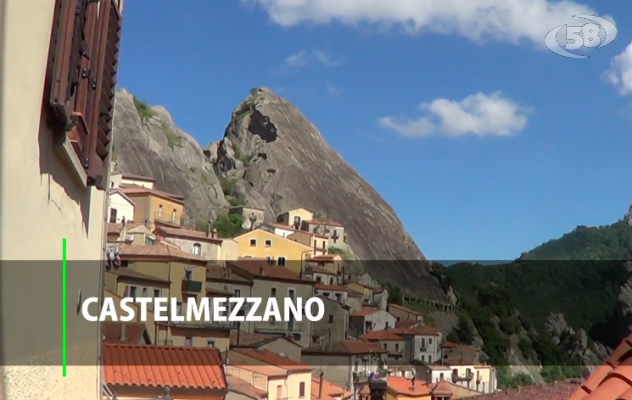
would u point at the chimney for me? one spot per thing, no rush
(123, 338)
(320, 385)
(214, 233)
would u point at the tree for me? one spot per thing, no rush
(344, 254)
(464, 330)
(395, 294)
(229, 225)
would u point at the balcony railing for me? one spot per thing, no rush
(457, 378)
(280, 327)
(190, 286)
(377, 375)
(168, 218)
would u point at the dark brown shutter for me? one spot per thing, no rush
(60, 62)
(104, 67)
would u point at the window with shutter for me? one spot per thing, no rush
(81, 79)
(105, 66)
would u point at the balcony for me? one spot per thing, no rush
(279, 327)
(167, 218)
(190, 286)
(457, 378)
(378, 375)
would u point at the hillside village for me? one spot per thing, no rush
(363, 341)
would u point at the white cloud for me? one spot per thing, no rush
(333, 89)
(478, 114)
(304, 58)
(503, 20)
(620, 72)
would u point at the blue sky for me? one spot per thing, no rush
(485, 143)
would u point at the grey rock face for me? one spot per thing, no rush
(156, 148)
(279, 161)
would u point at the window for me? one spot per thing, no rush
(268, 243)
(296, 337)
(396, 346)
(149, 240)
(112, 215)
(253, 242)
(237, 293)
(423, 358)
(441, 376)
(279, 392)
(386, 325)
(301, 390)
(82, 37)
(188, 341)
(179, 308)
(144, 292)
(324, 244)
(210, 343)
(319, 279)
(281, 261)
(339, 299)
(173, 215)
(197, 249)
(132, 291)
(330, 319)
(157, 292)
(160, 211)
(273, 292)
(188, 275)
(331, 281)
(297, 222)
(430, 341)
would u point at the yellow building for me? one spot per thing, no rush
(317, 242)
(53, 178)
(295, 217)
(187, 276)
(328, 262)
(261, 244)
(280, 376)
(366, 292)
(154, 205)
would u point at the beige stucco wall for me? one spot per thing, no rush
(59, 206)
(139, 182)
(263, 288)
(122, 206)
(284, 348)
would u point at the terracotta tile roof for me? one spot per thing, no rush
(281, 226)
(253, 339)
(405, 309)
(135, 332)
(137, 177)
(130, 273)
(221, 273)
(612, 380)
(160, 250)
(446, 344)
(262, 270)
(406, 323)
(347, 347)
(270, 358)
(116, 228)
(241, 386)
(131, 190)
(381, 335)
(324, 223)
(420, 331)
(407, 387)
(160, 366)
(186, 234)
(550, 391)
(333, 288)
(120, 193)
(364, 312)
(329, 390)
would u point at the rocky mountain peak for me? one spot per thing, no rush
(272, 158)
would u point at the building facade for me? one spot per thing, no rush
(54, 167)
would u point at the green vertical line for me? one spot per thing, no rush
(63, 323)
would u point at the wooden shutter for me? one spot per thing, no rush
(101, 104)
(62, 39)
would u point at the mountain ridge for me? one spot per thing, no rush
(270, 157)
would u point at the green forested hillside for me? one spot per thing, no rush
(578, 274)
(609, 242)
